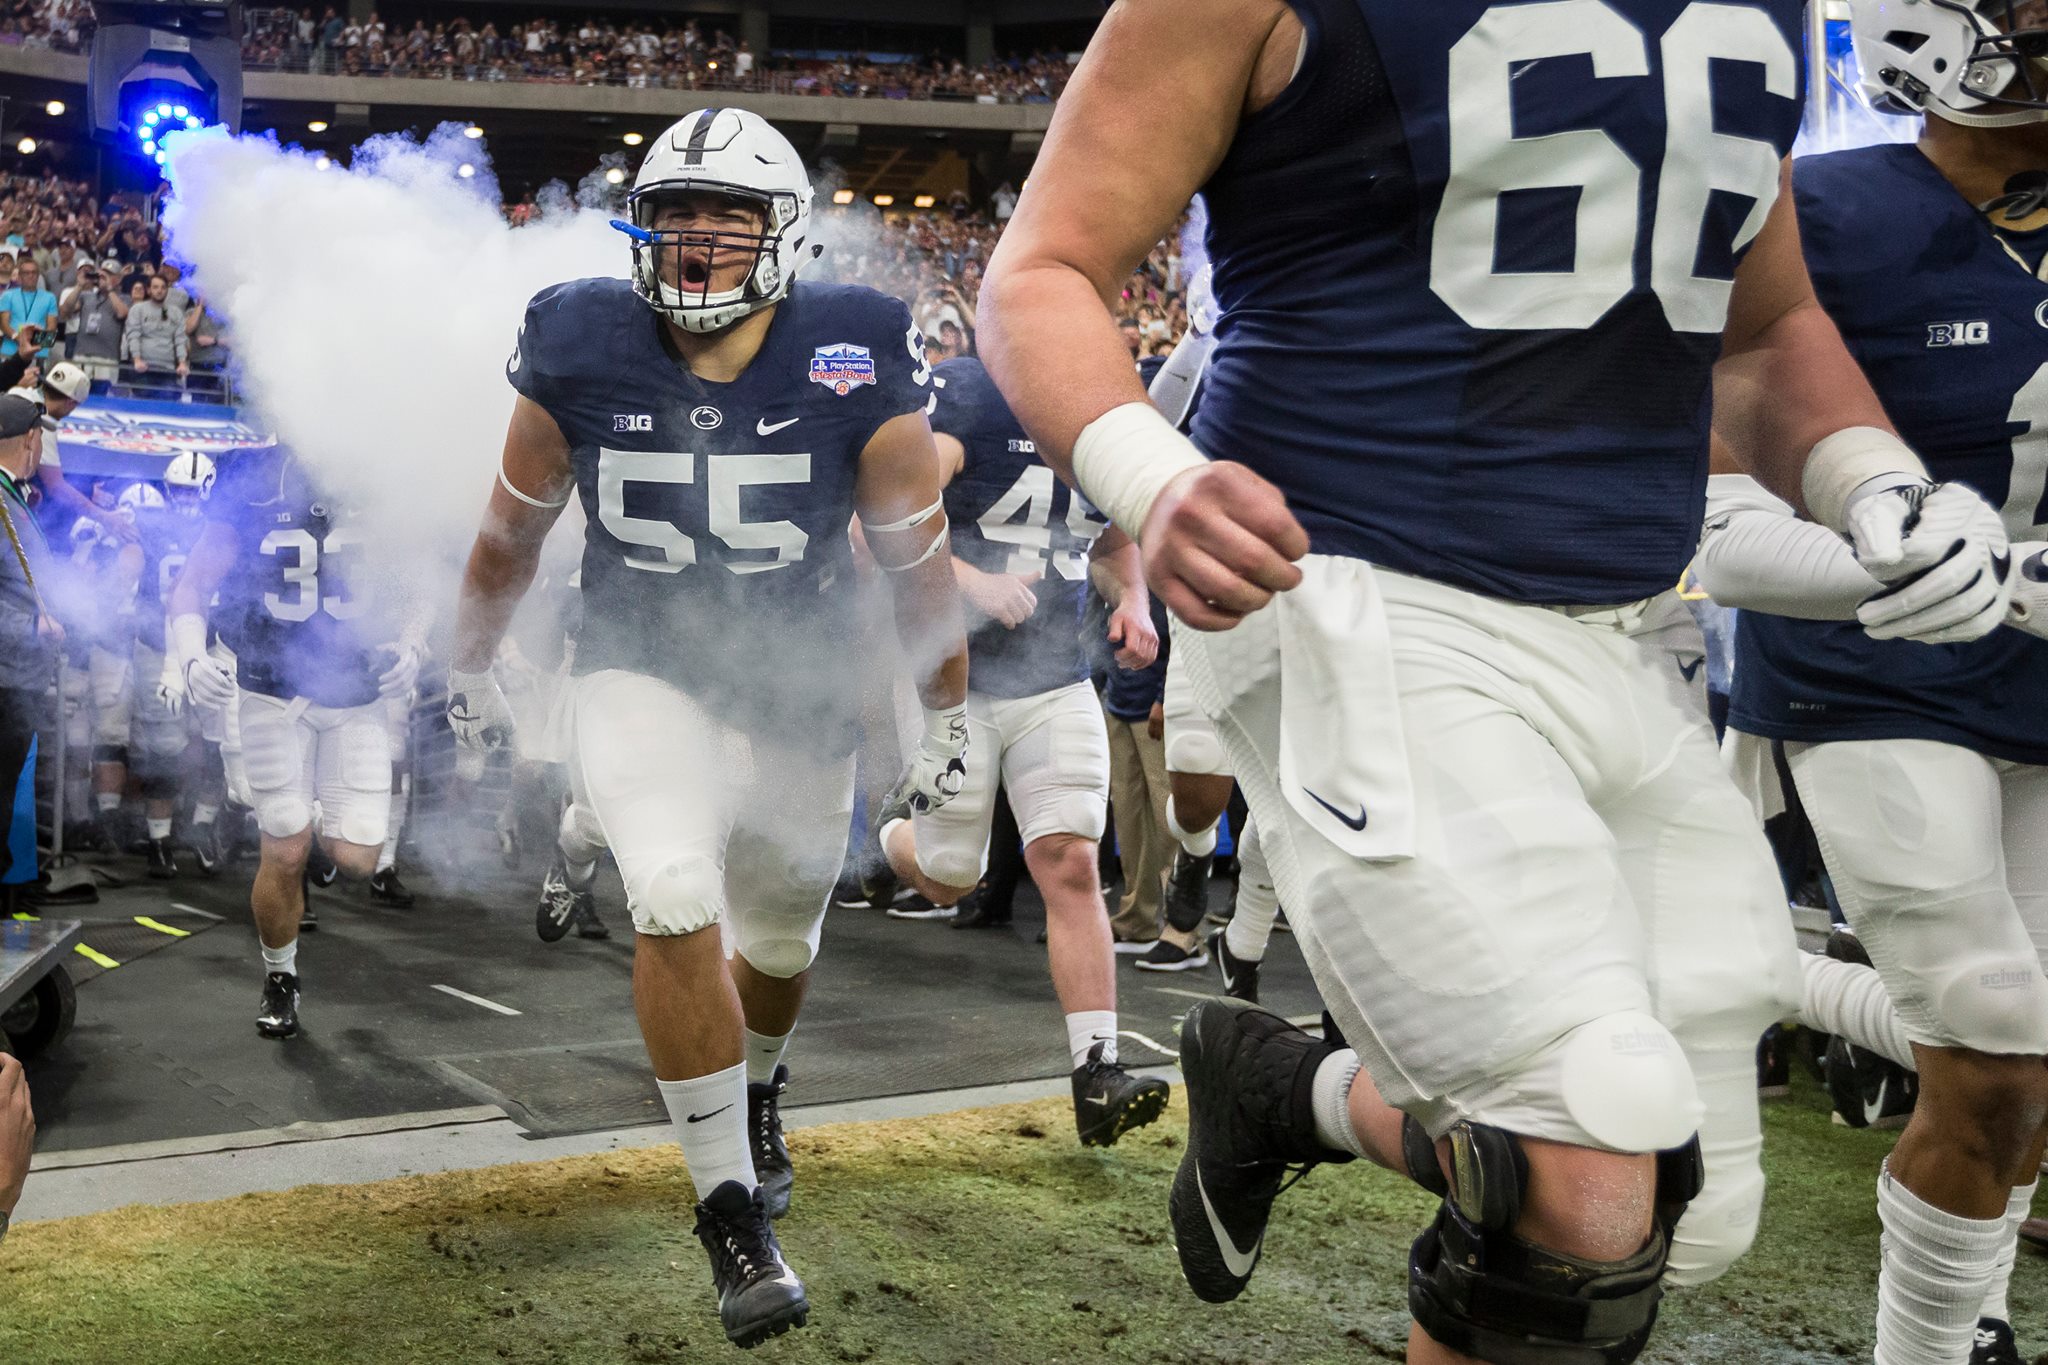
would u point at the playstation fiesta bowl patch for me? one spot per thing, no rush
(842, 368)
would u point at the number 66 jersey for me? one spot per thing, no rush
(1473, 266)
(716, 556)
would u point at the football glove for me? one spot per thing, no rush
(170, 687)
(399, 679)
(480, 717)
(1941, 552)
(938, 768)
(2029, 608)
(208, 683)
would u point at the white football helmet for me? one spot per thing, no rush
(740, 155)
(137, 498)
(191, 472)
(1980, 63)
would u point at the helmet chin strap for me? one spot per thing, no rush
(2012, 118)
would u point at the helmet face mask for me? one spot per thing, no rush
(695, 260)
(1981, 63)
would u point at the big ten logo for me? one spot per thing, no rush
(1941, 334)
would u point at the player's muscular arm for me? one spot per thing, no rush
(1146, 120)
(533, 486)
(1117, 570)
(1785, 381)
(206, 568)
(899, 495)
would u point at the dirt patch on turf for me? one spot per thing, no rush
(984, 1237)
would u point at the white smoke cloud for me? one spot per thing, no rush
(372, 309)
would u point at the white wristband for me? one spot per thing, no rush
(187, 639)
(1125, 458)
(1847, 462)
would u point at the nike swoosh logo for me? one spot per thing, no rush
(766, 428)
(699, 1118)
(1238, 1263)
(1342, 818)
(1101, 1098)
(1692, 670)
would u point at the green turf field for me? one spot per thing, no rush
(975, 1239)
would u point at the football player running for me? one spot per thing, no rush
(721, 424)
(1026, 552)
(1465, 357)
(1925, 771)
(315, 656)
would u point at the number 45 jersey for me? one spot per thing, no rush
(716, 556)
(1473, 267)
(1011, 514)
(1952, 328)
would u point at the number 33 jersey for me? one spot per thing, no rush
(716, 556)
(1473, 266)
(1953, 331)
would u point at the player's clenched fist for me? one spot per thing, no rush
(938, 768)
(480, 717)
(1219, 541)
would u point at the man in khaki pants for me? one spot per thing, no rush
(1137, 795)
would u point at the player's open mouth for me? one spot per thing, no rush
(696, 270)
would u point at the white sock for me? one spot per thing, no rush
(1935, 1271)
(388, 858)
(1199, 844)
(1330, 1094)
(764, 1054)
(1258, 902)
(581, 840)
(203, 814)
(1849, 999)
(2018, 1209)
(285, 959)
(710, 1118)
(1086, 1028)
(108, 802)
(159, 829)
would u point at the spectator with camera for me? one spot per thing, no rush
(93, 315)
(28, 311)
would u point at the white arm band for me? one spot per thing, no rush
(528, 498)
(1125, 458)
(187, 638)
(909, 523)
(1757, 555)
(1852, 461)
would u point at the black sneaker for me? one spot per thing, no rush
(764, 1139)
(1773, 1064)
(387, 889)
(278, 1015)
(979, 912)
(1250, 1076)
(562, 901)
(915, 906)
(206, 848)
(89, 836)
(1869, 1091)
(759, 1296)
(1109, 1101)
(588, 925)
(1165, 956)
(1994, 1344)
(1240, 978)
(320, 868)
(1187, 889)
(163, 865)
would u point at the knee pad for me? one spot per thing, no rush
(282, 814)
(1195, 750)
(952, 866)
(1964, 973)
(679, 898)
(1477, 1288)
(110, 753)
(1068, 810)
(1626, 1084)
(778, 943)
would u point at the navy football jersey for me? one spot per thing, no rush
(1473, 267)
(717, 556)
(298, 608)
(1011, 514)
(167, 538)
(1953, 333)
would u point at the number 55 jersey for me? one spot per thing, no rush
(1949, 318)
(1473, 266)
(716, 557)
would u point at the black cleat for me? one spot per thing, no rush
(278, 1015)
(1109, 1101)
(918, 906)
(387, 889)
(562, 901)
(1167, 956)
(588, 925)
(1994, 1344)
(320, 869)
(89, 836)
(163, 864)
(1187, 890)
(1240, 978)
(1250, 1075)
(207, 850)
(1869, 1091)
(764, 1138)
(1773, 1064)
(977, 911)
(759, 1296)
